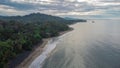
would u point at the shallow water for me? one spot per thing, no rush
(89, 45)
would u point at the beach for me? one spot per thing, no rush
(40, 49)
(33, 55)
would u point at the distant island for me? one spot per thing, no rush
(19, 34)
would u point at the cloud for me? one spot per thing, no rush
(61, 7)
(8, 10)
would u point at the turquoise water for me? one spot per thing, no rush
(89, 45)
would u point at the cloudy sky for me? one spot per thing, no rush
(63, 8)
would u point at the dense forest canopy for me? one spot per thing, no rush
(21, 33)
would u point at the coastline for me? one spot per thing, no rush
(37, 52)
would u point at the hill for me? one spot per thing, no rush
(38, 17)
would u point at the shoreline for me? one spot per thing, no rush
(37, 52)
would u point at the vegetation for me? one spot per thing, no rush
(20, 34)
(41, 18)
(15, 37)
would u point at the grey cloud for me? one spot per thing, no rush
(110, 0)
(63, 6)
(18, 6)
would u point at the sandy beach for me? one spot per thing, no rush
(33, 55)
(37, 52)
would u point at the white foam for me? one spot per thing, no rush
(47, 50)
(37, 63)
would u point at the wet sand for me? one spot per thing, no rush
(37, 51)
(33, 55)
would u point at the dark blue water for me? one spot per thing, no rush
(89, 45)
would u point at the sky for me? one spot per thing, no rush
(98, 9)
